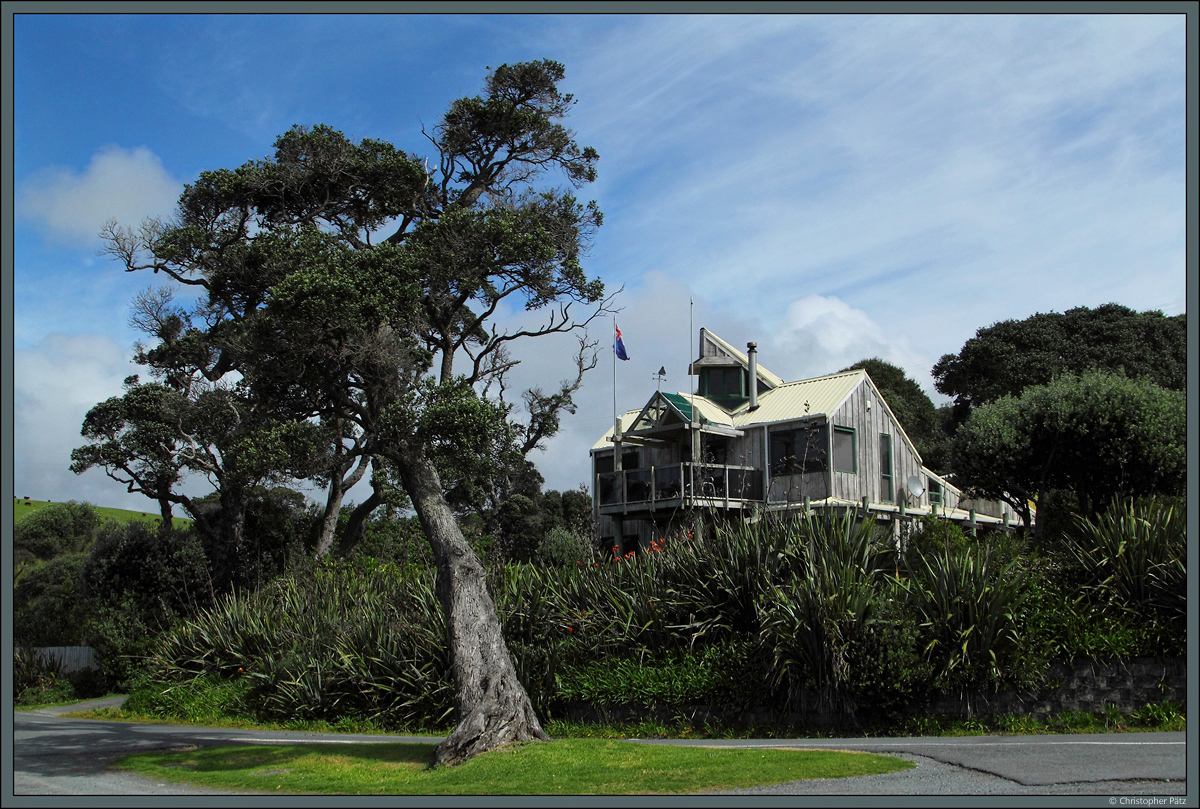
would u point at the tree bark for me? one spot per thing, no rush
(338, 485)
(353, 532)
(492, 706)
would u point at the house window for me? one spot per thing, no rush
(935, 492)
(722, 383)
(604, 461)
(798, 450)
(885, 467)
(844, 457)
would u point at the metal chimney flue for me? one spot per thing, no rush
(752, 354)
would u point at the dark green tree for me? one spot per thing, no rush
(1096, 435)
(1005, 358)
(356, 289)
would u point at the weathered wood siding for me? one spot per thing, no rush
(864, 412)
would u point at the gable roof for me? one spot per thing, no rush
(720, 352)
(666, 409)
(790, 401)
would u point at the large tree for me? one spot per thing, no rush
(358, 288)
(1005, 358)
(1095, 435)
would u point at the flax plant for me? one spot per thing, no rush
(812, 621)
(968, 601)
(1134, 556)
(323, 644)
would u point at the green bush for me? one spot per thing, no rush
(205, 699)
(56, 529)
(560, 547)
(46, 606)
(329, 641)
(135, 583)
(968, 604)
(935, 535)
(721, 675)
(38, 679)
(812, 622)
(1134, 557)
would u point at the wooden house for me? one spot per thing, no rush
(748, 443)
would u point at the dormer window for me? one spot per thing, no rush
(724, 384)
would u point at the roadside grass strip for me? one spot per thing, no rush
(564, 767)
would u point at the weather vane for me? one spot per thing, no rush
(660, 376)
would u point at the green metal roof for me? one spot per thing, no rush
(681, 404)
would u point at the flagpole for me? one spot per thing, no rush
(616, 424)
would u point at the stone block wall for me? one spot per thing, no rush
(1089, 686)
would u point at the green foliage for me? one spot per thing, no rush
(716, 675)
(134, 583)
(521, 525)
(1096, 435)
(37, 679)
(1007, 357)
(1162, 714)
(158, 576)
(932, 535)
(47, 610)
(203, 699)
(813, 620)
(561, 547)
(748, 614)
(1134, 557)
(56, 529)
(968, 601)
(329, 641)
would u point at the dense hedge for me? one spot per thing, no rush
(812, 615)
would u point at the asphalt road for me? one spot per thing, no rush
(53, 755)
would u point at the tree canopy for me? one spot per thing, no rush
(1096, 435)
(348, 319)
(1007, 357)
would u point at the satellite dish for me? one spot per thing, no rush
(915, 487)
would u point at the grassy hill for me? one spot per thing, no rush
(23, 507)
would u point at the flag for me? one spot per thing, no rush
(618, 346)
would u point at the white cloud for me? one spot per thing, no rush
(127, 185)
(55, 384)
(822, 335)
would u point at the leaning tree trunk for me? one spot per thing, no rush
(492, 706)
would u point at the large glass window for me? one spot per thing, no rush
(801, 449)
(844, 457)
(885, 467)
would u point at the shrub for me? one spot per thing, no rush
(1134, 557)
(967, 602)
(329, 641)
(720, 675)
(812, 622)
(56, 529)
(46, 607)
(560, 547)
(135, 583)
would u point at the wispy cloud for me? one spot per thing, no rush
(833, 187)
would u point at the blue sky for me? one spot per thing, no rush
(833, 187)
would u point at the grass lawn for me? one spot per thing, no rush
(562, 767)
(23, 507)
